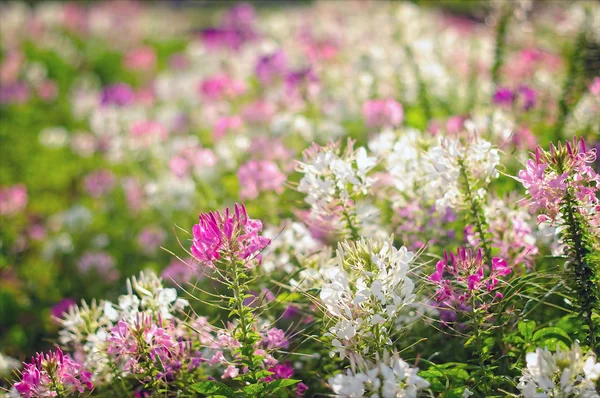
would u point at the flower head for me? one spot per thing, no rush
(464, 275)
(232, 235)
(53, 374)
(551, 174)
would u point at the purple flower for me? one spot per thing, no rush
(460, 276)
(504, 96)
(62, 307)
(232, 236)
(99, 183)
(527, 97)
(257, 176)
(47, 373)
(101, 262)
(550, 174)
(119, 94)
(271, 67)
(150, 239)
(276, 339)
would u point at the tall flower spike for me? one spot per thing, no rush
(232, 236)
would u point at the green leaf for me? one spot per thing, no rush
(550, 337)
(213, 389)
(526, 329)
(281, 383)
(254, 389)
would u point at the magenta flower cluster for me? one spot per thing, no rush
(382, 113)
(233, 236)
(549, 175)
(48, 374)
(138, 346)
(260, 176)
(464, 275)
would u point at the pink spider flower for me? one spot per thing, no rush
(257, 176)
(99, 183)
(51, 374)
(382, 113)
(232, 236)
(13, 199)
(548, 177)
(134, 344)
(459, 277)
(275, 338)
(221, 86)
(226, 125)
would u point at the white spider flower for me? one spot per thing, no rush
(560, 374)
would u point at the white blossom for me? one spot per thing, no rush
(364, 294)
(560, 374)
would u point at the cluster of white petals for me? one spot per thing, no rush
(447, 163)
(333, 180)
(387, 378)
(560, 374)
(364, 294)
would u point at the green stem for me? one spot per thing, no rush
(501, 30)
(423, 96)
(354, 234)
(55, 386)
(475, 212)
(477, 322)
(246, 348)
(574, 234)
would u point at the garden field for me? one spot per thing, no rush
(386, 199)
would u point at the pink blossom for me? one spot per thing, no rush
(13, 199)
(232, 236)
(271, 67)
(230, 372)
(221, 86)
(179, 166)
(140, 59)
(48, 90)
(257, 176)
(464, 275)
(276, 339)
(548, 177)
(99, 183)
(179, 272)
(595, 87)
(133, 345)
(148, 132)
(226, 125)
(192, 159)
(100, 262)
(134, 194)
(258, 112)
(62, 307)
(55, 370)
(382, 113)
(151, 238)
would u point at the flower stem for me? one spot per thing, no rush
(477, 323)
(475, 212)
(500, 44)
(246, 342)
(354, 234)
(575, 235)
(423, 96)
